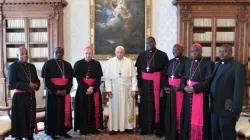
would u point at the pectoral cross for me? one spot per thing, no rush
(172, 77)
(63, 76)
(147, 68)
(120, 74)
(189, 82)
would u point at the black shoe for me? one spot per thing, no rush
(53, 137)
(29, 138)
(113, 132)
(158, 135)
(129, 131)
(98, 132)
(18, 138)
(67, 136)
(143, 133)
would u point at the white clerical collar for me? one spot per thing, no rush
(195, 61)
(222, 62)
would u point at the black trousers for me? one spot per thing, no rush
(223, 126)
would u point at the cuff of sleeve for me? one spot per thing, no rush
(195, 88)
(108, 90)
(17, 84)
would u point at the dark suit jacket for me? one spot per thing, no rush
(229, 88)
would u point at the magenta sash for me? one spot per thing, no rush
(179, 99)
(63, 82)
(20, 91)
(89, 82)
(156, 76)
(196, 115)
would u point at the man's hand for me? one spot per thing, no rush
(58, 92)
(189, 89)
(162, 94)
(176, 88)
(64, 92)
(167, 90)
(32, 86)
(139, 91)
(133, 93)
(90, 90)
(110, 94)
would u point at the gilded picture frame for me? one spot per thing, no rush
(104, 36)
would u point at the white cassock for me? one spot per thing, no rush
(120, 79)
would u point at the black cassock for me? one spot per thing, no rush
(88, 108)
(55, 105)
(197, 71)
(24, 101)
(174, 70)
(157, 62)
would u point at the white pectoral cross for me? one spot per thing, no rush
(147, 68)
(189, 82)
(172, 77)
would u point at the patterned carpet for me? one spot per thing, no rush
(102, 136)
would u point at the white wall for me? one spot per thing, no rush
(76, 27)
(164, 25)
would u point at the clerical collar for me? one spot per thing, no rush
(58, 59)
(23, 63)
(152, 50)
(178, 57)
(197, 60)
(88, 61)
(226, 61)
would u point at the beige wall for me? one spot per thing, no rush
(76, 27)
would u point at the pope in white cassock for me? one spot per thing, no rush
(121, 85)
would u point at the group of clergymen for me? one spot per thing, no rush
(183, 99)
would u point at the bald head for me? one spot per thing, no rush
(227, 46)
(59, 52)
(178, 50)
(150, 43)
(22, 54)
(119, 52)
(119, 48)
(196, 51)
(88, 53)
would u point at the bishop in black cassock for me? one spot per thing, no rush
(195, 117)
(150, 66)
(88, 102)
(23, 79)
(174, 95)
(58, 75)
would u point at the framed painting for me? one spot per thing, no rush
(115, 23)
